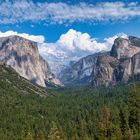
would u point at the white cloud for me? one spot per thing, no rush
(74, 40)
(73, 45)
(36, 38)
(25, 10)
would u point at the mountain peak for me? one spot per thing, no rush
(16, 37)
(23, 56)
(107, 68)
(135, 41)
(125, 48)
(119, 66)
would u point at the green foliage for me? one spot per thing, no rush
(81, 113)
(123, 122)
(28, 136)
(39, 136)
(134, 105)
(55, 133)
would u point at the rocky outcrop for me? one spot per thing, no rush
(121, 65)
(79, 72)
(136, 66)
(124, 48)
(23, 56)
(103, 71)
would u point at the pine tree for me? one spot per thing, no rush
(134, 112)
(40, 136)
(130, 135)
(104, 124)
(55, 133)
(123, 122)
(87, 137)
(28, 136)
(108, 130)
(82, 129)
(117, 134)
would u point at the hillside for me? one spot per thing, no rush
(10, 82)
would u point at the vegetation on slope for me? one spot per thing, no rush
(11, 81)
(81, 113)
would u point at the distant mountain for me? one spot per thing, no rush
(120, 65)
(12, 82)
(79, 72)
(23, 56)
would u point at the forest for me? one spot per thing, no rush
(78, 113)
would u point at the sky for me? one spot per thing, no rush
(67, 30)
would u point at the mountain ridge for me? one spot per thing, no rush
(23, 56)
(107, 68)
(120, 66)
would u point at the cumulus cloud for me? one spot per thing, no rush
(70, 46)
(24, 10)
(36, 38)
(73, 45)
(79, 41)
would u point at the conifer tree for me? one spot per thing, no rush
(40, 136)
(108, 130)
(55, 133)
(134, 112)
(130, 135)
(123, 121)
(104, 124)
(28, 136)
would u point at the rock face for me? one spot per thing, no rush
(121, 65)
(103, 70)
(80, 72)
(124, 48)
(23, 56)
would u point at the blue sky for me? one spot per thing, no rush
(99, 30)
(87, 1)
(69, 30)
(96, 28)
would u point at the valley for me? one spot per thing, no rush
(69, 69)
(100, 100)
(95, 98)
(82, 113)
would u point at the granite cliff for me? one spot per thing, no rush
(120, 66)
(23, 56)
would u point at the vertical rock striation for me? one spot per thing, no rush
(23, 56)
